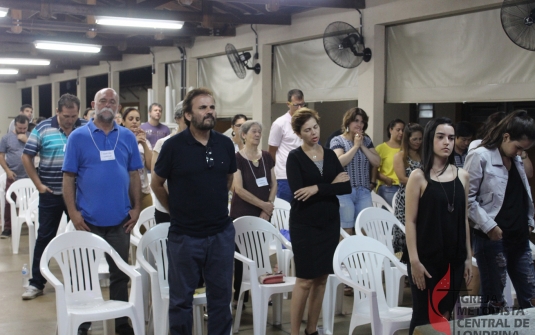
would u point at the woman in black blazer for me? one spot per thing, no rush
(316, 177)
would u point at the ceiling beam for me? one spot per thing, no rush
(360, 4)
(96, 10)
(11, 42)
(82, 27)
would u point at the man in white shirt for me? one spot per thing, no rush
(282, 140)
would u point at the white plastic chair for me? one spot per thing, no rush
(146, 220)
(281, 203)
(79, 299)
(154, 243)
(378, 224)
(32, 220)
(103, 267)
(23, 189)
(253, 236)
(378, 201)
(3, 177)
(333, 298)
(281, 220)
(358, 262)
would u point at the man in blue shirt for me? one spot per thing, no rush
(198, 164)
(102, 188)
(48, 139)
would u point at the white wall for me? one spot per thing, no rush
(11, 98)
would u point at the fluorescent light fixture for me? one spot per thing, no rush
(9, 71)
(3, 11)
(138, 23)
(24, 61)
(64, 46)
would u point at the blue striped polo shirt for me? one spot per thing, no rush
(48, 140)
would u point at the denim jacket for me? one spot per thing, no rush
(488, 180)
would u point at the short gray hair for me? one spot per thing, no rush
(179, 112)
(244, 129)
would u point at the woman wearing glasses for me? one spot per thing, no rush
(408, 159)
(132, 121)
(356, 153)
(255, 185)
(316, 177)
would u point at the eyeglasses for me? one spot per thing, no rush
(300, 105)
(209, 158)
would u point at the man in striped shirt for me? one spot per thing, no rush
(48, 139)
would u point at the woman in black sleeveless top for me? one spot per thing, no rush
(437, 230)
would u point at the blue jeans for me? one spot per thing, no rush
(496, 259)
(51, 208)
(352, 204)
(189, 259)
(387, 192)
(283, 190)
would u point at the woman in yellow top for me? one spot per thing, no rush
(387, 180)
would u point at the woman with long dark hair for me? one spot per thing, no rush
(501, 207)
(436, 224)
(408, 159)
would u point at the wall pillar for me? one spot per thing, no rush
(35, 100)
(262, 92)
(55, 96)
(81, 93)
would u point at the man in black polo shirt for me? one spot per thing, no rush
(198, 165)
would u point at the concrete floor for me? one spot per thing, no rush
(38, 316)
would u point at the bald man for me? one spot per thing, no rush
(103, 159)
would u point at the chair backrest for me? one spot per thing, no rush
(146, 219)
(78, 254)
(378, 201)
(155, 242)
(253, 237)
(378, 224)
(281, 218)
(362, 259)
(23, 189)
(282, 204)
(32, 214)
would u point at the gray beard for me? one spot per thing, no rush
(202, 126)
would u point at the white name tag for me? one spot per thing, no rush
(64, 146)
(260, 182)
(107, 155)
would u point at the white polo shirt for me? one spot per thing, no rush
(282, 136)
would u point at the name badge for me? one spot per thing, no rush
(64, 146)
(260, 182)
(107, 155)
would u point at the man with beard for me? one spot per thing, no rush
(198, 164)
(103, 158)
(48, 139)
(11, 148)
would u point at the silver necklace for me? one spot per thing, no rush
(450, 206)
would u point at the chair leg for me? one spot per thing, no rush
(138, 325)
(239, 308)
(16, 227)
(109, 327)
(260, 311)
(197, 320)
(329, 300)
(276, 299)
